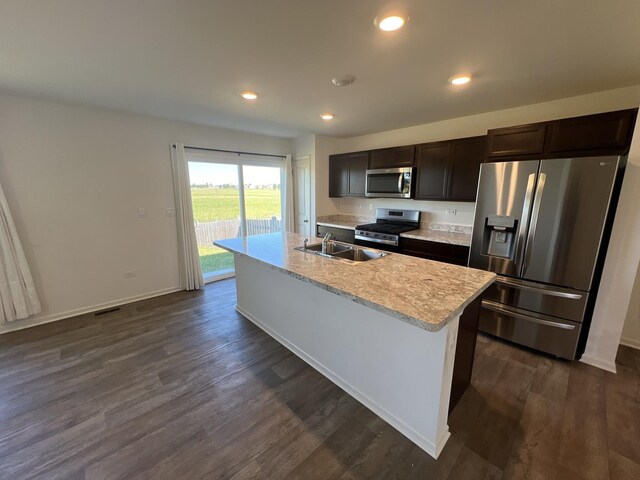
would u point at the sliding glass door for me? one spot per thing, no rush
(263, 201)
(232, 200)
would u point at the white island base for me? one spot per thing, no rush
(399, 371)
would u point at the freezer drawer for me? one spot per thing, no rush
(540, 298)
(547, 334)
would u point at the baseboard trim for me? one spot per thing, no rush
(598, 363)
(406, 430)
(630, 342)
(34, 322)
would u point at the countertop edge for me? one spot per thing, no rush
(430, 327)
(336, 225)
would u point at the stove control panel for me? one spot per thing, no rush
(377, 237)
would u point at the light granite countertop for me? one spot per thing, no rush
(430, 235)
(350, 222)
(441, 233)
(421, 292)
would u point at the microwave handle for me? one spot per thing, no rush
(400, 179)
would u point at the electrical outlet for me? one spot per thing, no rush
(371, 206)
(171, 212)
(142, 213)
(130, 274)
(452, 211)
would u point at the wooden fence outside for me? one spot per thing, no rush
(207, 232)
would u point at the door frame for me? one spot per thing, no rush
(307, 200)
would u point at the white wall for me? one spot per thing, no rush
(74, 178)
(467, 127)
(325, 146)
(631, 329)
(479, 124)
(614, 303)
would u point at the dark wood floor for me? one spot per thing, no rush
(182, 387)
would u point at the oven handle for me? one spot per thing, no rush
(496, 307)
(376, 240)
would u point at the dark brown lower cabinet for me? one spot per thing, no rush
(465, 351)
(440, 252)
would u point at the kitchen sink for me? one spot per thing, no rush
(332, 248)
(343, 251)
(360, 254)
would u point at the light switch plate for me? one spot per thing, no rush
(142, 213)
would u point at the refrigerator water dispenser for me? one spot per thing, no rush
(499, 236)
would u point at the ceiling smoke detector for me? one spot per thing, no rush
(343, 81)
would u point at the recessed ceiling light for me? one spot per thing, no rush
(462, 79)
(327, 116)
(249, 95)
(390, 23)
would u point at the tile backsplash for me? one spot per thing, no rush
(431, 212)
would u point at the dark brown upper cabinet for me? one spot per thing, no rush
(347, 174)
(590, 135)
(449, 170)
(593, 132)
(392, 157)
(432, 162)
(466, 157)
(513, 141)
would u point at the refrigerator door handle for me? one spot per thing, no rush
(496, 307)
(526, 208)
(542, 177)
(543, 290)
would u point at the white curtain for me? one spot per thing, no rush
(289, 214)
(18, 297)
(190, 270)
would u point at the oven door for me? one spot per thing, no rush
(389, 182)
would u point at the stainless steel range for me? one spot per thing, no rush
(389, 225)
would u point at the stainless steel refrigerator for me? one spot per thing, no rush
(543, 227)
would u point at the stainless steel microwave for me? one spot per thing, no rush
(389, 182)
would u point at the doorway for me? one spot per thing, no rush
(302, 195)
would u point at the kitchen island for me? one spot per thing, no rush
(384, 330)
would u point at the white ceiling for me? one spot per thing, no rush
(189, 59)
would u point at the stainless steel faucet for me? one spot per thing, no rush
(326, 241)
